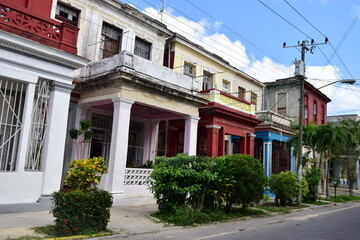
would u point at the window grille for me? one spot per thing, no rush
(253, 98)
(66, 13)
(225, 86)
(241, 93)
(207, 80)
(38, 125)
(281, 103)
(110, 40)
(12, 97)
(142, 48)
(101, 126)
(189, 69)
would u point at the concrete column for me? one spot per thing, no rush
(190, 136)
(292, 160)
(267, 157)
(212, 140)
(26, 126)
(53, 151)
(119, 146)
(221, 149)
(250, 138)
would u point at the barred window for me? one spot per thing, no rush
(67, 13)
(207, 80)
(281, 103)
(241, 93)
(189, 69)
(253, 98)
(225, 86)
(142, 48)
(110, 40)
(12, 98)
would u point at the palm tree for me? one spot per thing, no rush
(331, 140)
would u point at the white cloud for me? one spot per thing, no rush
(265, 69)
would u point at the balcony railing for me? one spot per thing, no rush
(228, 100)
(25, 23)
(270, 117)
(136, 176)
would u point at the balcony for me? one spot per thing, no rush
(225, 99)
(273, 118)
(42, 29)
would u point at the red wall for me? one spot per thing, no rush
(321, 111)
(42, 7)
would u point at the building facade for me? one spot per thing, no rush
(227, 121)
(38, 56)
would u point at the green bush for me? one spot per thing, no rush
(313, 177)
(221, 187)
(249, 181)
(286, 187)
(180, 181)
(79, 212)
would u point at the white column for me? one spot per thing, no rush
(26, 126)
(119, 145)
(53, 152)
(190, 138)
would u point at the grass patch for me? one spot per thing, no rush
(25, 238)
(190, 217)
(343, 198)
(272, 207)
(319, 203)
(49, 232)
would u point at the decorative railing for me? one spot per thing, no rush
(136, 176)
(269, 117)
(228, 100)
(21, 21)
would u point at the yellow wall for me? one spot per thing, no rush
(221, 72)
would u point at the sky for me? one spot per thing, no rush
(250, 35)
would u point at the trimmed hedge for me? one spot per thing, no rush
(79, 212)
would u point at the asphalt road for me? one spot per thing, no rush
(340, 222)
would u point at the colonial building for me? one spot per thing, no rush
(227, 122)
(37, 59)
(281, 101)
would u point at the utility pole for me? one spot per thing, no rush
(300, 75)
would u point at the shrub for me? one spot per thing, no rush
(85, 174)
(180, 181)
(286, 187)
(249, 184)
(221, 187)
(81, 207)
(79, 211)
(313, 177)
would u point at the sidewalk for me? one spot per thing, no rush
(124, 220)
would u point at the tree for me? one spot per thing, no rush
(331, 139)
(349, 155)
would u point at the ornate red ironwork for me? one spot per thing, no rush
(42, 29)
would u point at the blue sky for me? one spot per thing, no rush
(250, 36)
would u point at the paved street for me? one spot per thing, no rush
(339, 222)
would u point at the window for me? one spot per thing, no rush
(110, 40)
(315, 112)
(241, 93)
(12, 98)
(67, 13)
(281, 103)
(207, 80)
(253, 98)
(306, 114)
(38, 125)
(322, 114)
(225, 86)
(142, 48)
(189, 69)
